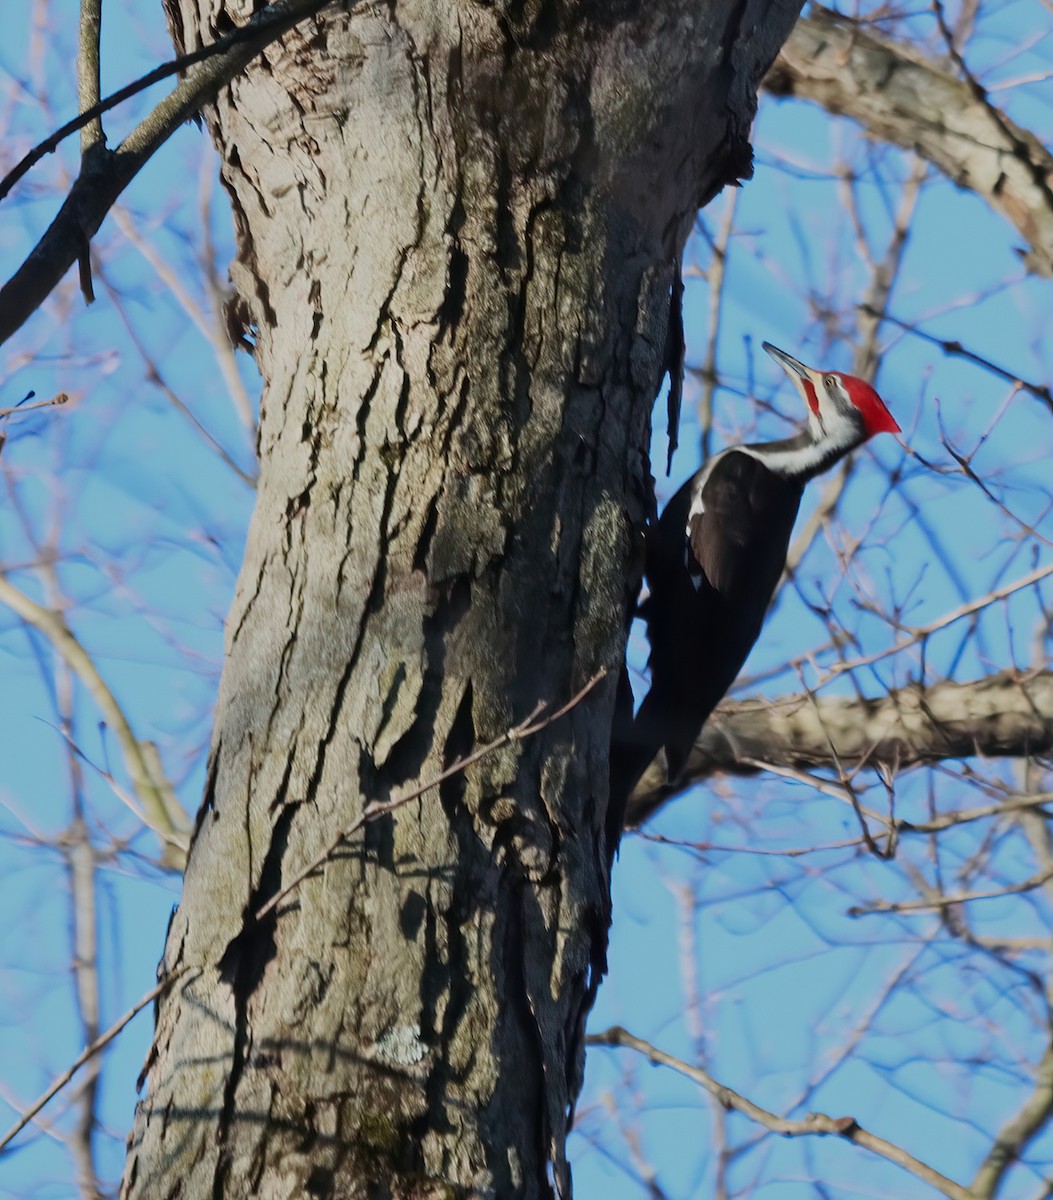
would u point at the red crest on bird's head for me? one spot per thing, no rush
(876, 417)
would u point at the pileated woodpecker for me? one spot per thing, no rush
(715, 558)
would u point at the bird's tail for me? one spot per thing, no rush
(636, 742)
(666, 721)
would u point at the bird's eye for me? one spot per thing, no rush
(830, 382)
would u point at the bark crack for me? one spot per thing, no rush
(242, 967)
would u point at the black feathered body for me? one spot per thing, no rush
(713, 563)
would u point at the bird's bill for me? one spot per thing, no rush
(788, 363)
(804, 377)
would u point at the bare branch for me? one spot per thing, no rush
(867, 357)
(813, 1124)
(955, 349)
(23, 407)
(934, 901)
(1012, 1139)
(208, 323)
(161, 809)
(1004, 715)
(88, 86)
(716, 276)
(106, 174)
(80, 856)
(901, 97)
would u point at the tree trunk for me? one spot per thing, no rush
(458, 226)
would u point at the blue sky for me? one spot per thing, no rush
(144, 522)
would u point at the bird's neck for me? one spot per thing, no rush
(804, 456)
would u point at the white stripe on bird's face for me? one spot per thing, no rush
(835, 425)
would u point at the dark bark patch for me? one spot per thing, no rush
(240, 325)
(675, 352)
(456, 289)
(526, 1042)
(248, 953)
(447, 980)
(452, 306)
(412, 914)
(420, 555)
(241, 968)
(508, 254)
(208, 801)
(459, 742)
(320, 1183)
(298, 504)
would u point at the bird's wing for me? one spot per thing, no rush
(739, 527)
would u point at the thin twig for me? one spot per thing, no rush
(155, 377)
(867, 358)
(82, 866)
(936, 902)
(921, 632)
(955, 348)
(100, 1043)
(22, 407)
(1013, 1137)
(209, 323)
(380, 808)
(715, 277)
(814, 1123)
(900, 827)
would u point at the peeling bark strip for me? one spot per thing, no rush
(1002, 715)
(456, 222)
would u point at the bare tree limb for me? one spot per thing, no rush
(934, 901)
(716, 275)
(161, 810)
(88, 87)
(209, 322)
(901, 97)
(81, 864)
(813, 1124)
(867, 357)
(105, 173)
(1004, 715)
(955, 349)
(1012, 1139)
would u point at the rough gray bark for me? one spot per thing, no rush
(457, 225)
(1005, 715)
